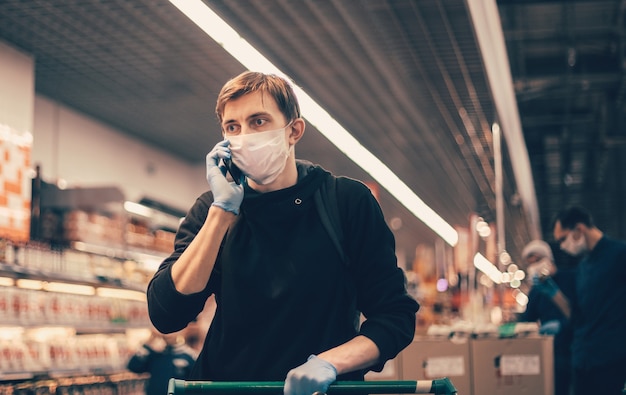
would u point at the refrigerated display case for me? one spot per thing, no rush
(72, 297)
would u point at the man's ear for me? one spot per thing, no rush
(296, 130)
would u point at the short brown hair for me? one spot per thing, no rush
(250, 81)
(572, 216)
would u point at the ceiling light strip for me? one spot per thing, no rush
(252, 59)
(488, 28)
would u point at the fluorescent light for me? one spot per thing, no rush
(481, 263)
(11, 333)
(151, 261)
(488, 28)
(47, 333)
(92, 248)
(252, 59)
(29, 284)
(7, 281)
(156, 216)
(77, 289)
(138, 209)
(121, 294)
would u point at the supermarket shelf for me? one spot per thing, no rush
(19, 272)
(95, 375)
(19, 376)
(138, 254)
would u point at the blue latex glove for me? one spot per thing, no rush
(226, 194)
(545, 285)
(314, 375)
(550, 327)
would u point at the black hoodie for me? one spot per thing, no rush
(281, 289)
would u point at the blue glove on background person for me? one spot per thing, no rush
(550, 327)
(314, 375)
(545, 285)
(226, 194)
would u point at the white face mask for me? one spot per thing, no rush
(574, 247)
(261, 156)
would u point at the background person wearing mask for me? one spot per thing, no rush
(164, 357)
(548, 304)
(599, 305)
(287, 304)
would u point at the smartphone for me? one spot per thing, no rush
(234, 171)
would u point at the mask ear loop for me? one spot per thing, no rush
(297, 135)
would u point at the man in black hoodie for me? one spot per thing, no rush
(288, 303)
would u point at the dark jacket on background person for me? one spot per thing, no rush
(542, 308)
(174, 361)
(599, 308)
(282, 291)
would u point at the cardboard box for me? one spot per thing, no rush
(390, 372)
(513, 366)
(430, 358)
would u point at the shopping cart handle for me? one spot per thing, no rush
(437, 386)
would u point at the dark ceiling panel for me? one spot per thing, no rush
(567, 59)
(405, 77)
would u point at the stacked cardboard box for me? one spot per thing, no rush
(432, 358)
(478, 366)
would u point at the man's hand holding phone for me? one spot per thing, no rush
(233, 170)
(227, 195)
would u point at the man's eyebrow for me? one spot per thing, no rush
(251, 116)
(258, 114)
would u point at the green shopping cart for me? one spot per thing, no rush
(438, 386)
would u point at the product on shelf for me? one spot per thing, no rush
(73, 291)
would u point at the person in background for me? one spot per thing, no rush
(196, 331)
(549, 305)
(599, 306)
(288, 306)
(163, 357)
(193, 336)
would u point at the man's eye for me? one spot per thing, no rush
(259, 122)
(231, 129)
